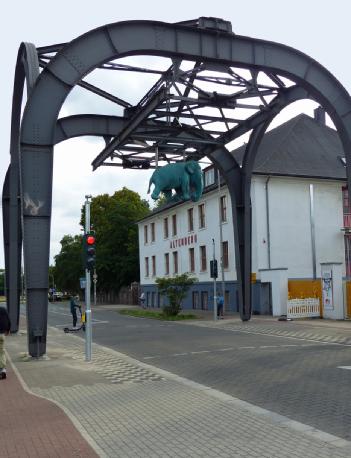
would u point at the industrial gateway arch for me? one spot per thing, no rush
(177, 119)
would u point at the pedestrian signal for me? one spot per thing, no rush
(213, 268)
(89, 248)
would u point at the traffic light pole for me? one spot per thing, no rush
(214, 284)
(88, 327)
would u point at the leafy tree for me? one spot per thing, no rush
(175, 289)
(114, 220)
(68, 264)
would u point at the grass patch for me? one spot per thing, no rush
(157, 315)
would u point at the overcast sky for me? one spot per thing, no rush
(319, 28)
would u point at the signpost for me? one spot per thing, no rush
(88, 328)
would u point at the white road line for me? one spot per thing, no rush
(345, 367)
(198, 352)
(244, 348)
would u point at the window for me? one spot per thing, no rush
(152, 232)
(166, 263)
(145, 234)
(201, 216)
(209, 177)
(175, 262)
(204, 300)
(225, 254)
(153, 259)
(146, 267)
(195, 300)
(223, 206)
(165, 228)
(174, 225)
(203, 261)
(191, 260)
(190, 219)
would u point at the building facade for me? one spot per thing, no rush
(299, 210)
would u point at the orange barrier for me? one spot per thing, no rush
(303, 289)
(348, 298)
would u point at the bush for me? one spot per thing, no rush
(175, 289)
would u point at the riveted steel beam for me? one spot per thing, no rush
(93, 49)
(27, 71)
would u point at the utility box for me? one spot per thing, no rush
(332, 290)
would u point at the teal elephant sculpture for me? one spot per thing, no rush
(184, 177)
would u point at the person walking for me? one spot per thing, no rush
(5, 326)
(220, 305)
(74, 306)
(142, 299)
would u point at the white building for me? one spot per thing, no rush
(297, 196)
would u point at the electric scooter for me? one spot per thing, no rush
(82, 323)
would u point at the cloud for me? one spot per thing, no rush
(73, 179)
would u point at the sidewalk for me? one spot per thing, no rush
(35, 427)
(116, 406)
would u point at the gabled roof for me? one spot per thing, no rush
(301, 147)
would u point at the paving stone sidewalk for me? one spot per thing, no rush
(321, 331)
(35, 427)
(129, 409)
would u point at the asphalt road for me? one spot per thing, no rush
(290, 376)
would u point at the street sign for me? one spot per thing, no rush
(83, 282)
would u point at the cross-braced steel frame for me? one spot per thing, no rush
(217, 87)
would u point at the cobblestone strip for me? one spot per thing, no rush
(265, 330)
(175, 417)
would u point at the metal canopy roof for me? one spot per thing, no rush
(191, 105)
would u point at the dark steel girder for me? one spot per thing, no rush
(113, 41)
(27, 71)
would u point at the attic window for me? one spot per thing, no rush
(343, 160)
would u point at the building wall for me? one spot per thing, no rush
(289, 239)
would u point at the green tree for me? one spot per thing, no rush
(68, 264)
(175, 289)
(114, 221)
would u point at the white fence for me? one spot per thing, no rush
(303, 308)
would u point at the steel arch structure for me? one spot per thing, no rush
(177, 115)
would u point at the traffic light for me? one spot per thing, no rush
(89, 248)
(213, 268)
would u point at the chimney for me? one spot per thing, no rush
(319, 115)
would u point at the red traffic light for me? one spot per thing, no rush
(90, 240)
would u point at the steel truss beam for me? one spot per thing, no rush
(27, 71)
(216, 49)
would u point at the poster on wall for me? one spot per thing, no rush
(327, 289)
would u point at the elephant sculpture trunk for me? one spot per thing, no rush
(184, 177)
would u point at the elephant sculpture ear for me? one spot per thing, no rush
(190, 167)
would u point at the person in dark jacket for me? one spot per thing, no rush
(5, 326)
(74, 307)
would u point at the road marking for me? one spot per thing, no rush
(199, 352)
(229, 349)
(345, 367)
(67, 325)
